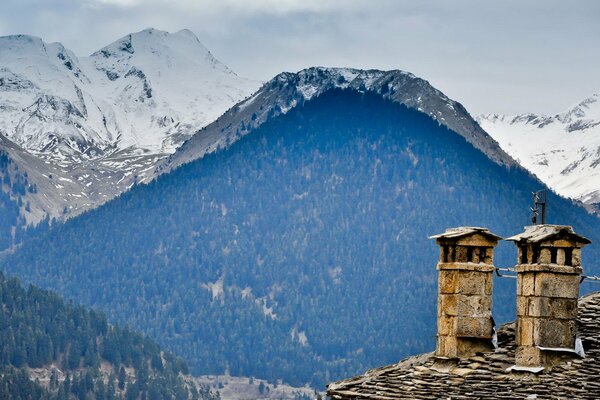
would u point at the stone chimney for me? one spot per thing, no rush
(464, 316)
(548, 276)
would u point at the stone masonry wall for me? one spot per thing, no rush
(546, 310)
(464, 309)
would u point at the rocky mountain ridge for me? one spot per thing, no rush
(288, 90)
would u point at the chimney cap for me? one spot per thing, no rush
(461, 231)
(541, 233)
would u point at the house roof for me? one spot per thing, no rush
(455, 233)
(485, 376)
(540, 233)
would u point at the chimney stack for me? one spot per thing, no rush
(548, 276)
(465, 281)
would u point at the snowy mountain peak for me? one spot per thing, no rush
(16, 44)
(149, 90)
(586, 109)
(157, 42)
(563, 150)
(28, 52)
(154, 50)
(172, 79)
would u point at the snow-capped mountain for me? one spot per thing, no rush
(287, 90)
(85, 129)
(165, 86)
(97, 124)
(563, 150)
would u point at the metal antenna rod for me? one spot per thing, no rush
(539, 202)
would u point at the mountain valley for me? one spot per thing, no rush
(296, 251)
(274, 236)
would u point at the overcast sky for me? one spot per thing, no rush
(493, 56)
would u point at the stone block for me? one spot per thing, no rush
(545, 256)
(539, 307)
(489, 256)
(576, 258)
(448, 304)
(461, 254)
(563, 308)
(524, 332)
(448, 281)
(522, 306)
(474, 327)
(529, 254)
(489, 284)
(475, 258)
(561, 243)
(559, 308)
(440, 344)
(557, 285)
(529, 356)
(446, 325)
(447, 346)
(468, 347)
(560, 257)
(554, 333)
(474, 305)
(472, 282)
(519, 254)
(527, 284)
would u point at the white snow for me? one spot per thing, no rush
(215, 288)
(563, 150)
(299, 336)
(150, 90)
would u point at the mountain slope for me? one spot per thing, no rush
(300, 251)
(563, 150)
(16, 190)
(288, 90)
(53, 350)
(89, 128)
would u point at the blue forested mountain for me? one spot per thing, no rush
(299, 252)
(78, 355)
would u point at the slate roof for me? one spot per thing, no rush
(454, 233)
(484, 376)
(539, 233)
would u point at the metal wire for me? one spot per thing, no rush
(505, 269)
(590, 278)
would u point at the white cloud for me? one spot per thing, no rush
(505, 56)
(122, 3)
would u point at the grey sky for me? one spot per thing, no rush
(493, 56)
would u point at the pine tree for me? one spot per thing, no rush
(122, 378)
